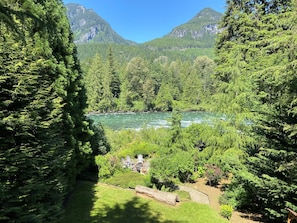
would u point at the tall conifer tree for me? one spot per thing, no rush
(43, 130)
(257, 46)
(115, 84)
(94, 81)
(272, 165)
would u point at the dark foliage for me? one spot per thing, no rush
(44, 134)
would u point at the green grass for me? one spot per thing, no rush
(183, 195)
(79, 204)
(101, 203)
(127, 179)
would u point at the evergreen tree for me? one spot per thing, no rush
(197, 85)
(43, 130)
(273, 176)
(106, 103)
(175, 131)
(173, 79)
(115, 85)
(94, 81)
(136, 73)
(204, 67)
(164, 99)
(234, 97)
(148, 94)
(257, 80)
(126, 98)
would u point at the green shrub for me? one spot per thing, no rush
(213, 174)
(200, 172)
(229, 198)
(226, 211)
(106, 166)
(237, 194)
(137, 147)
(147, 181)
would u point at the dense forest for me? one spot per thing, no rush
(147, 85)
(47, 140)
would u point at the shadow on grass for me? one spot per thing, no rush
(79, 203)
(129, 212)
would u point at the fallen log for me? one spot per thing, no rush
(292, 216)
(165, 197)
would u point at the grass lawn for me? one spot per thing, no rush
(101, 203)
(127, 179)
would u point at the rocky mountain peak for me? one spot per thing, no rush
(208, 13)
(203, 24)
(88, 26)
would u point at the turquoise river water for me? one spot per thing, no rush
(140, 120)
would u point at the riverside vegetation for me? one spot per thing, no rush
(47, 143)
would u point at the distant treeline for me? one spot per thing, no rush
(124, 53)
(147, 85)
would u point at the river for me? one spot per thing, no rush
(117, 121)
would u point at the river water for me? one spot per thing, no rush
(117, 121)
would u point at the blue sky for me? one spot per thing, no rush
(144, 20)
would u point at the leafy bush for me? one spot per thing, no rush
(164, 188)
(107, 165)
(200, 171)
(237, 195)
(226, 211)
(231, 160)
(99, 141)
(119, 139)
(154, 136)
(137, 147)
(213, 174)
(163, 171)
(173, 168)
(225, 198)
(147, 181)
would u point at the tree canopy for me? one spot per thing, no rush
(44, 133)
(256, 57)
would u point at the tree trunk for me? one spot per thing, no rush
(165, 197)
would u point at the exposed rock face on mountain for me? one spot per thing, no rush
(199, 32)
(195, 34)
(94, 35)
(205, 23)
(88, 26)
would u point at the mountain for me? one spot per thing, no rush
(199, 32)
(187, 41)
(88, 26)
(204, 24)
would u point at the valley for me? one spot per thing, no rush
(87, 116)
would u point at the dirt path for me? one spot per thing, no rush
(196, 196)
(213, 196)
